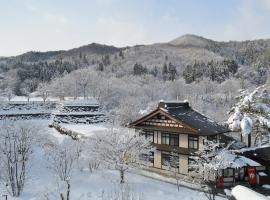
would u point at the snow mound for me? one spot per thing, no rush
(243, 193)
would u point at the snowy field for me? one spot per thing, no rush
(98, 185)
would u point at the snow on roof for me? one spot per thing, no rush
(254, 148)
(246, 161)
(236, 161)
(81, 102)
(243, 193)
(185, 113)
(85, 129)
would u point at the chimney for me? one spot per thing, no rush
(161, 104)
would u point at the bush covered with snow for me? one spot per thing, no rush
(251, 115)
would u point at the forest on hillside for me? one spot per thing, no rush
(127, 81)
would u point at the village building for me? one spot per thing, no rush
(262, 156)
(79, 111)
(176, 127)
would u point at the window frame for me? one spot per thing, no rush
(167, 138)
(228, 169)
(193, 139)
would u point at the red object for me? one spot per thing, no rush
(252, 175)
(220, 181)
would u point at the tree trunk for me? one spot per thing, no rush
(68, 189)
(122, 176)
(62, 196)
(249, 140)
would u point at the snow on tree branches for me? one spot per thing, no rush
(207, 163)
(120, 149)
(16, 147)
(62, 159)
(251, 115)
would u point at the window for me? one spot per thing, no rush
(170, 139)
(193, 142)
(165, 159)
(168, 161)
(149, 136)
(174, 140)
(165, 138)
(174, 162)
(151, 158)
(148, 157)
(228, 172)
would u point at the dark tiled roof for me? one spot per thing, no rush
(183, 112)
(260, 153)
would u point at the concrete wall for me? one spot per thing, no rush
(201, 141)
(159, 137)
(155, 137)
(157, 159)
(183, 164)
(183, 140)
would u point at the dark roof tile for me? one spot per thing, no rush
(183, 112)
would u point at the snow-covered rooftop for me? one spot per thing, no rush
(243, 193)
(81, 102)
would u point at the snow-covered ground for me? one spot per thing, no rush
(97, 185)
(85, 129)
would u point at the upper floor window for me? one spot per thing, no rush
(193, 142)
(170, 139)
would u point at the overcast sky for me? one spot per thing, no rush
(43, 25)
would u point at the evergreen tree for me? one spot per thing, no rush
(165, 72)
(172, 72)
(138, 69)
(100, 67)
(121, 54)
(154, 71)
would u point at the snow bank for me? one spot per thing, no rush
(243, 193)
(85, 129)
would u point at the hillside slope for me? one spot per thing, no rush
(252, 57)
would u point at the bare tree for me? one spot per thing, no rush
(9, 94)
(43, 91)
(174, 167)
(16, 143)
(120, 149)
(62, 159)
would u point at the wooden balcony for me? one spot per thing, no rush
(175, 149)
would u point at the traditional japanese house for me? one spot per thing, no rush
(176, 127)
